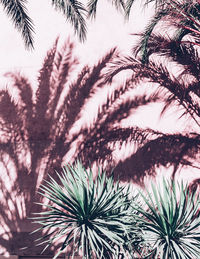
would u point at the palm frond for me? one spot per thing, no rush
(92, 6)
(63, 65)
(124, 110)
(142, 46)
(26, 98)
(43, 92)
(77, 96)
(159, 150)
(99, 148)
(74, 11)
(16, 9)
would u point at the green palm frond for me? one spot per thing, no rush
(159, 4)
(92, 6)
(16, 9)
(75, 12)
(142, 46)
(170, 221)
(92, 215)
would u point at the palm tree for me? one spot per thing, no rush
(173, 71)
(39, 131)
(181, 19)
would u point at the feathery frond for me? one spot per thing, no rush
(16, 9)
(74, 11)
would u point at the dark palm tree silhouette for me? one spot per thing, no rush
(173, 70)
(39, 131)
(180, 19)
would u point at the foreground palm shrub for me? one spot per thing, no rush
(170, 222)
(91, 216)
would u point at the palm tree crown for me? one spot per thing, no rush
(173, 67)
(39, 131)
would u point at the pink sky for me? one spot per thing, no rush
(107, 31)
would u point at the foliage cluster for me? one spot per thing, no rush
(78, 12)
(36, 131)
(99, 218)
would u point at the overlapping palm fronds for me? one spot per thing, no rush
(76, 12)
(179, 18)
(173, 71)
(38, 131)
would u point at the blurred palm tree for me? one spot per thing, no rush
(39, 130)
(172, 69)
(179, 19)
(77, 13)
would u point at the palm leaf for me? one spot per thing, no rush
(74, 11)
(16, 9)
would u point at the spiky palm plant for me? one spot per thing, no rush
(170, 221)
(93, 216)
(39, 130)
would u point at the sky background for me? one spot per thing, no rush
(108, 30)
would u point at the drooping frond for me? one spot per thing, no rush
(42, 96)
(92, 6)
(142, 45)
(159, 4)
(157, 73)
(16, 9)
(74, 11)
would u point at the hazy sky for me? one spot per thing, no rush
(108, 30)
